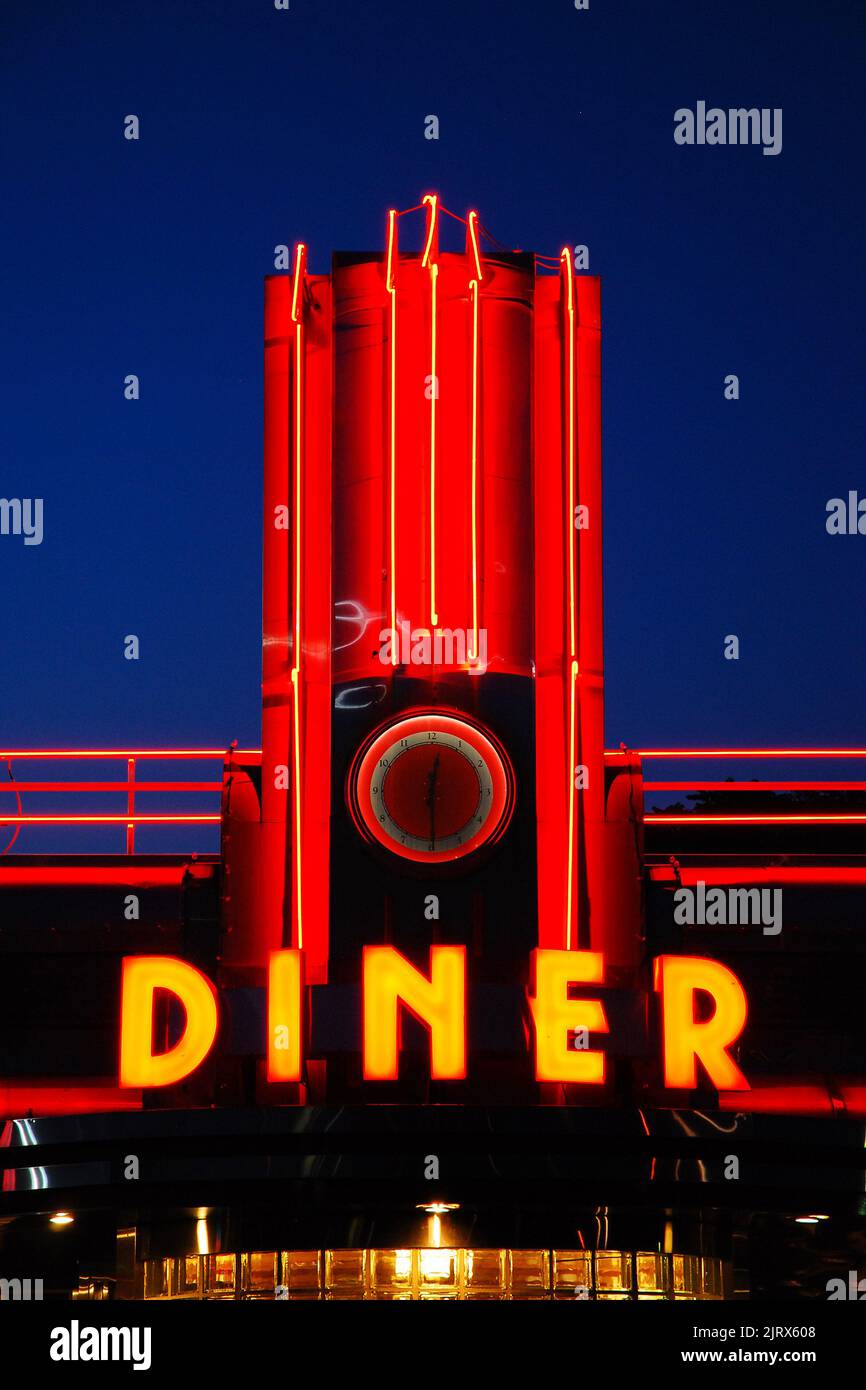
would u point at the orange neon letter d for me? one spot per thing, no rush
(142, 977)
(440, 1004)
(557, 1018)
(686, 1040)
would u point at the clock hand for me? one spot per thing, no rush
(430, 798)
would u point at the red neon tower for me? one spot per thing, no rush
(432, 550)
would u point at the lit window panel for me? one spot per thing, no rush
(391, 1273)
(484, 1273)
(711, 1282)
(612, 1272)
(437, 1271)
(572, 1272)
(157, 1280)
(344, 1273)
(431, 1273)
(686, 1276)
(302, 1273)
(259, 1273)
(221, 1276)
(652, 1271)
(530, 1272)
(187, 1276)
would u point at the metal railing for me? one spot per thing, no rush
(130, 786)
(806, 816)
(133, 788)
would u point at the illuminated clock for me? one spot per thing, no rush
(432, 787)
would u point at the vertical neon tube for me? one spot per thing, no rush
(297, 319)
(429, 259)
(473, 292)
(392, 445)
(434, 390)
(572, 597)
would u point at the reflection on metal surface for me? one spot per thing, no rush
(432, 1273)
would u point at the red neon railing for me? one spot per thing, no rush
(131, 786)
(806, 817)
(134, 788)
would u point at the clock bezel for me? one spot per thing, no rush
(421, 727)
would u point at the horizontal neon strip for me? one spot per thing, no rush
(781, 1100)
(829, 875)
(655, 818)
(754, 786)
(133, 819)
(737, 752)
(137, 873)
(39, 1100)
(15, 786)
(127, 752)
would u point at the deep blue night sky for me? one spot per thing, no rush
(260, 127)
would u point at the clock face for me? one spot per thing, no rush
(432, 788)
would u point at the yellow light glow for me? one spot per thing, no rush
(61, 1218)
(436, 1265)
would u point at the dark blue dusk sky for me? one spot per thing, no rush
(260, 127)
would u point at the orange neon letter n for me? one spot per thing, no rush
(439, 1002)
